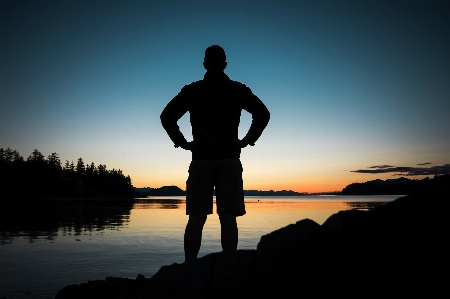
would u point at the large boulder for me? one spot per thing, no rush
(400, 244)
(287, 258)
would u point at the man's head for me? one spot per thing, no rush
(215, 58)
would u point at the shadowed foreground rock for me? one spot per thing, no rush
(216, 275)
(111, 287)
(398, 248)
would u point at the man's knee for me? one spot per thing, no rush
(227, 219)
(197, 220)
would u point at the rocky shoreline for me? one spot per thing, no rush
(398, 248)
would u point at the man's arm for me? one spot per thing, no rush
(260, 117)
(174, 110)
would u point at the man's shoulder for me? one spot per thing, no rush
(202, 84)
(241, 88)
(193, 84)
(188, 89)
(238, 84)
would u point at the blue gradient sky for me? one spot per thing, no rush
(350, 85)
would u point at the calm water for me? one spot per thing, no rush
(48, 246)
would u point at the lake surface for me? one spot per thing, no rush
(44, 247)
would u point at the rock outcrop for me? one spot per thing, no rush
(398, 248)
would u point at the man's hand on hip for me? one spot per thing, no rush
(189, 146)
(239, 143)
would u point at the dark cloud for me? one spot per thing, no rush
(426, 163)
(406, 170)
(381, 166)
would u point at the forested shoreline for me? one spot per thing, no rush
(45, 177)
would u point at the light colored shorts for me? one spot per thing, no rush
(223, 175)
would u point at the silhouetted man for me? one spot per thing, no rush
(214, 104)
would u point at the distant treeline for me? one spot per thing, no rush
(440, 184)
(272, 193)
(38, 176)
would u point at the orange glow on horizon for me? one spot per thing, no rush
(312, 188)
(302, 185)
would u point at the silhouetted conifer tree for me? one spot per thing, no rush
(80, 166)
(101, 169)
(36, 156)
(54, 161)
(90, 169)
(67, 166)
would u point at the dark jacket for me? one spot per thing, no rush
(215, 104)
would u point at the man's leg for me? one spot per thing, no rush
(193, 236)
(229, 232)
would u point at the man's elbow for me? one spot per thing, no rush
(164, 119)
(267, 116)
(262, 117)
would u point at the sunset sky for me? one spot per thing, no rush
(357, 90)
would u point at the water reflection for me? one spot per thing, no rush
(47, 220)
(364, 205)
(158, 203)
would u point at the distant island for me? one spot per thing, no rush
(400, 186)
